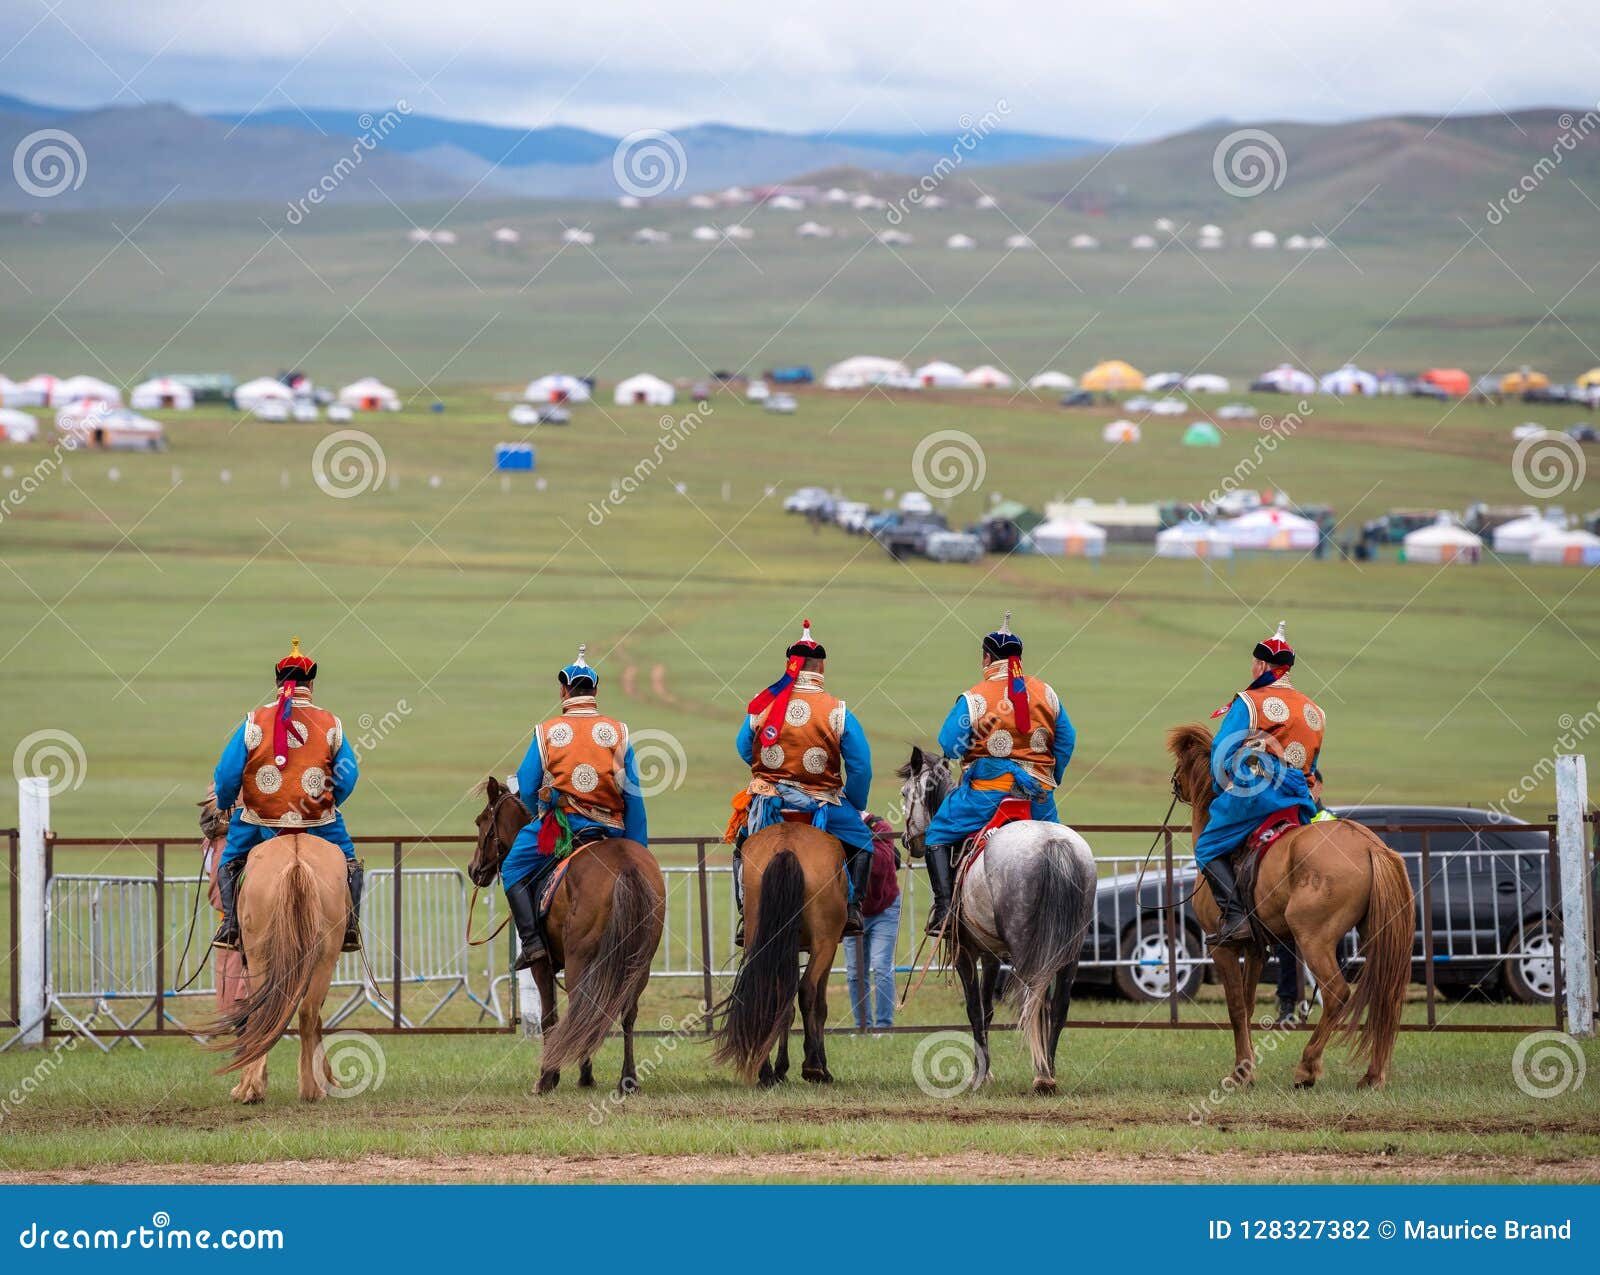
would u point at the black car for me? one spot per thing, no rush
(1489, 890)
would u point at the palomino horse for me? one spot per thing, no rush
(603, 927)
(794, 897)
(1316, 882)
(292, 904)
(1026, 900)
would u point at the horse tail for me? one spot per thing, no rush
(1374, 1008)
(1061, 908)
(290, 950)
(611, 977)
(760, 1007)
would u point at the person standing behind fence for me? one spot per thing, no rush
(228, 965)
(869, 960)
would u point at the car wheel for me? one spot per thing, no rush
(1531, 972)
(1145, 976)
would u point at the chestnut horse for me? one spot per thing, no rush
(293, 902)
(1315, 883)
(794, 899)
(603, 927)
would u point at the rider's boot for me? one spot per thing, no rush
(860, 868)
(1234, 927)
(937, 859)
(227, 935)
(738, 886)
(355, 875)
(525, 916)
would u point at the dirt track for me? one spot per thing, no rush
(968, 1167)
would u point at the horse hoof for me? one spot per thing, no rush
(1305, 1082)
(586, 1080)
(1044, 1087)
(627, 1086)
(548, 1081)
(1369, 1081)
(823, 1077)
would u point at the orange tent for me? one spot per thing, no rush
(1522, 381)
(1112, 375)
(1452, 380)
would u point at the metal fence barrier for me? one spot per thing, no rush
(130, 945)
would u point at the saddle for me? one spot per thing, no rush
(581, 841)
(1010, 810)
(1247, 865)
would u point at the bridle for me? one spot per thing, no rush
(501, 850)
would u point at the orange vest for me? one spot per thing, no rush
(298, 794)
(584, 755)
(806, 753)
(994, 725)
(1290, 720)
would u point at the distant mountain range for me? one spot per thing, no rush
(145, 153)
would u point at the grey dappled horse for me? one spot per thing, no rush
(1026, 901)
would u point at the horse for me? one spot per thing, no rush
(292, 905)
(1027, 900)
(603, 927)
(1316, 882)
(794, 897)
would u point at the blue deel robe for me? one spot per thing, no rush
(1258, 784)
(968, 809)
(524, 858)
(242, 836)
(842, 820)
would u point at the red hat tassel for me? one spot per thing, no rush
(280, 722)
(1017, 692)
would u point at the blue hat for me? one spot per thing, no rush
(1002, 642)
(579, 672)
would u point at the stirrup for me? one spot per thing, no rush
(1231, 935)
(224, 942)
(854, 926)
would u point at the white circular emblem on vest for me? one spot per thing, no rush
(815, 760)
(798, 713)
(336, 736)
(559, 735)
(585, 778)
(252, 734)
(604, 734)
(999, 743)
(772, 757)
(297, 734)
(1052, 698)
(291, 816)
(836, 719)
(1040, 740)
(1295, 753)
(269, 779)
(1313, 716)
(314, 781)
(1274, 709)
(977, 706)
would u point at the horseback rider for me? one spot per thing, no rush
(580, 783)
(806, 752)
(1262, 760)
(1015, 740)
(287, 768)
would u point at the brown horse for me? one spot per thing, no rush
(603, 928)
(794, 897)
(1316, 882)
(293, 901)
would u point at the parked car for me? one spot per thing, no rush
(850, 514)
(953, 546)
(915, 502)
(1489, 893)
(906, 535)
(554, 414)
(808, 500)
(782, 404)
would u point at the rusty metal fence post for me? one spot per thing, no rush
(1172, 930)
(703, 885)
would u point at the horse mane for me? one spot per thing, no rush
(1190, 746)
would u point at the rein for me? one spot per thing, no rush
(472, 903)
(1138, 885)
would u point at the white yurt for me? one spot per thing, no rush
(505, 236)
(649, 234)
(985, 377)
(893, 238)
(785, 203)
(34, 392)
(961, 243)
(1288, 379)
(1566, 549)
(704, 234)
(1163, 381)
(1121, 432)
(1442, 542)
(1518, 535)
(1166, 225)
(1051, 380)
(17, 427)
(1528, 429)
(369, 394)
(161, 394)
(739, 232)
(1083, 243)
(836, 195)
(577, 235)
(1274, 530)
(1193, 540)
(263, 389)
(813, 230)
(862, 370)
(1296, 243)
(557, 387)
(1018, 242)
(1143, 243)
(85, 389)
(1069, 538)
(1206, 383)
(985, 202)
(702, 201)
(1263, 239)
(1349, 380)
(866, 203)
(644, 390)
(939, 375)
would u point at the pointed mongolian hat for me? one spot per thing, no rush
(777, 695)
(1276, 650)
(1005, 645)
(578, 676)
(294, 670)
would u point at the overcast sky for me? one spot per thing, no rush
(1131, 71)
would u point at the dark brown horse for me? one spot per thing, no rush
(794, 899)
(603, 928)
(1316, 882)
